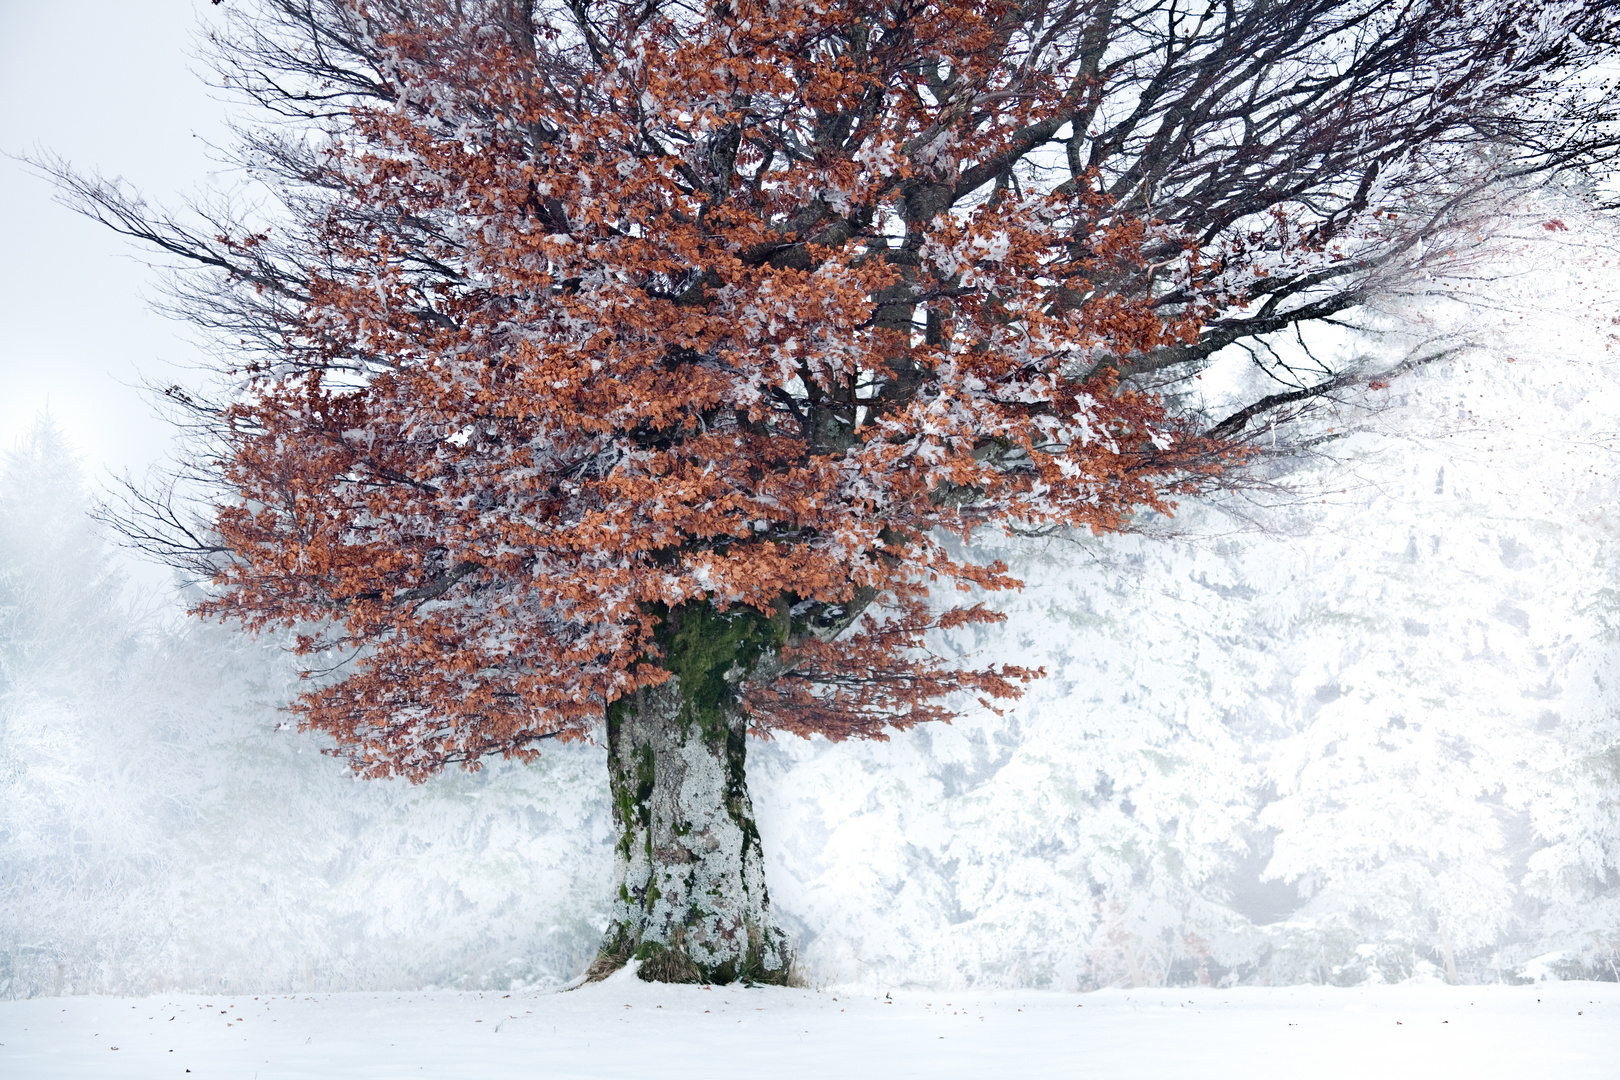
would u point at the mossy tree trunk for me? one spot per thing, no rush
(690, 900)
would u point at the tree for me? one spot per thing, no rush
(161, 827)
(62, 643)
(627, 369)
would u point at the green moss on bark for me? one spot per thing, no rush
(709, 653)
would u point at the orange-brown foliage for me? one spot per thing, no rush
(688, 307)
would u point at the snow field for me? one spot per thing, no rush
(630, 1029)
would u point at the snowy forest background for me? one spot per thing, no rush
(1358, 722)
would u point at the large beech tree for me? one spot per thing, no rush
(626, 370)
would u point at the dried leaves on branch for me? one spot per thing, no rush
(575, 314)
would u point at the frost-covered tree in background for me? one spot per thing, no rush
(162, 826)
(1372, 740)
(58, 641)
(1469, 648)
(636, 362)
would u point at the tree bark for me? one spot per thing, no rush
(690, 900)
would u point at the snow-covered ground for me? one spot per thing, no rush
(626, 1028)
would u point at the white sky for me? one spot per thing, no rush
(111, 85)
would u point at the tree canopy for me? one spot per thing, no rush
(575, 315)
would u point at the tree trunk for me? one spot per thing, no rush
(1450, 955)
(690, 901)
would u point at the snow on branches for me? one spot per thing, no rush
(679, 307)
(578, 313)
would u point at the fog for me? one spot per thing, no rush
(111, 87)
(1361, 729)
